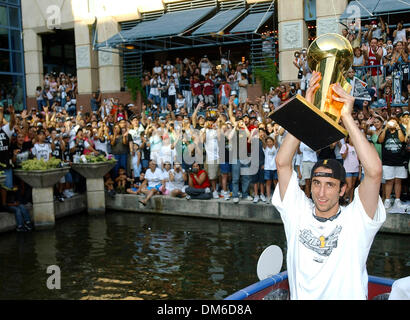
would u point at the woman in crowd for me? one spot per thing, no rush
(154, 176)
(351, 165)
(119, 148)
(392, 139)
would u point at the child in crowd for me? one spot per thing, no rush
(109, 184)
(121, 180)
(136, 184)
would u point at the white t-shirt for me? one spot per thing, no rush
(154, 178)
(42, 151)
(178, 182)
(166, 153)
(307, 153)
(205, 67)
(165, 176)
(154, 87)
(326, 260)
(270, 156)
(351, 162)
(103, 146)
(180, 103)
(211, 145)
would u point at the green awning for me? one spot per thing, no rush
(169, 24)
(252, 22)
(219, 22)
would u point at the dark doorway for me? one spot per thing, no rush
(59, 52)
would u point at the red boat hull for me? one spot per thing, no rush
(378, 287)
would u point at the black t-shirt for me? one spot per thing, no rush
(57, 152)
(392, 149)
(5, 136)
(184, 83)
(327, 153)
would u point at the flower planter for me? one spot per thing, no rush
(42, 182)
(94, 173)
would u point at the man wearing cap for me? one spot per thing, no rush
(328, 244)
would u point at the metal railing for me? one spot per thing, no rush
(375, 76)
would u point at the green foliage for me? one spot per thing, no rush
(34, 164)
(268, 75)
(100, 158)
(134, 85)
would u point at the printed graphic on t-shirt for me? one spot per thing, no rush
(321, 245)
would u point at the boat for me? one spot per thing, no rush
(274, 285)
(277, 288)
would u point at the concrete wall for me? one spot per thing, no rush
(70, 206)
(221, 209)
(214, 209)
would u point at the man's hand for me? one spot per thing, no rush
(313, 86)
(343, 96)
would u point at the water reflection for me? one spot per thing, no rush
(140, 256)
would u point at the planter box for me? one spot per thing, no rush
(41, 178)
(94, 169)
(42, 182)
(94, 173)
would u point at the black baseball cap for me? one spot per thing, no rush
(338, 171)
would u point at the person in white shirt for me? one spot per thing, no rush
(205, 65)
(165, 178)
(309, 159)
(154, 176)
(209, 136)
(177, 179)
(328, 244)
(42, 150)
(167, 152)
(270, 173)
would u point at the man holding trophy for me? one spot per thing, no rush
(328, 244)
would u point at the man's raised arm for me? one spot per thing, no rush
(366, 152)
(290, 144)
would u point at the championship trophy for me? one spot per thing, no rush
(317, 124)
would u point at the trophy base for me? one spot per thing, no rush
(308, 124)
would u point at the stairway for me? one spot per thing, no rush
(132, 64)
(261, 51)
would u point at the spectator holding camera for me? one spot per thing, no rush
(392, 139)
(198, 184)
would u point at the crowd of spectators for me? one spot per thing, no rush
(186, 138)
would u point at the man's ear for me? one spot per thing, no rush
(342, 190)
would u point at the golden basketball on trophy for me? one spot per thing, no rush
(317, 124)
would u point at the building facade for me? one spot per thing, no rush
(60, 30)
(12, 80)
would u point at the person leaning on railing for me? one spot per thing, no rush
(373, 55)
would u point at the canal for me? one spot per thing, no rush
(147, 256)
